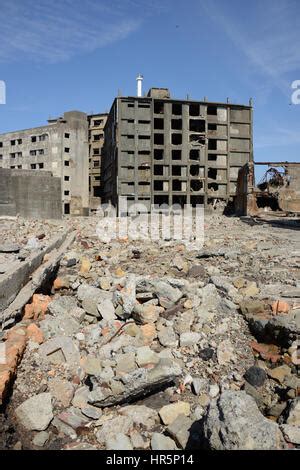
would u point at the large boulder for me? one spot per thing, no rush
(234, 422)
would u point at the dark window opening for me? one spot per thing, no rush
(212, 173)
(212, 127)
(176, 185)
(158, 107)
(41, 166)
(176, 154)
(141, 121)
(12, 142)
(197, 200)
(176, 170)
(197, 125)
(67, 150)
(176, 139)
(194, 170)
(198, 139)
(158, 123)
(196, 185)
(158, 170)
(158, 185)
(158, 154)
(96, 151)
(211, 158)
(96, 191)
(66, 193)
(213, 186)
(194, 154)
(180, 200)
(67, 178)
(159, 200)
(212, 144)
(67, 163)
(176, 124)
(67, 208)
(144, 152)
(144, 137)
(130, 105)
(176, 109)
(212, 110)
(144, 105)
(67, 135)
(159, 139)
(194, 109)
(33, 139)
(131, 137)
(33, 166)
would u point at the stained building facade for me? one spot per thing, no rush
(161, 150)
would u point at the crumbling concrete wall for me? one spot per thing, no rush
(245, 200)
(28, 193)
(289, 194)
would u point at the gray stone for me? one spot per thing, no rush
(189, 339)
(40, 439)
(35, 414)
(137, 383)
(166, 294)
(107, 310)
(73, 417)
(167, 337)
(109, 429)
(255, 376)
(59, 350)
(90, 305)
(80, 399)
(92, 365)
(145, 356)
(200, 385)
(140, 414)
(52, 326)
(169, 413)
(234, 422)
(179, 429)
(291, 433)
(9, 248)
(118, 442)
(161, 442)
(125, 363)
(62, 305)
(91, 412)
(61, 390)
(126, 297)
(210, 303)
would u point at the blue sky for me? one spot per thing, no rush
(58, 55)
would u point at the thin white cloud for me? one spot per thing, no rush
(278, 137)
(272, 45)
(56, 30)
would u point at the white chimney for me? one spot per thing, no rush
(139, 80)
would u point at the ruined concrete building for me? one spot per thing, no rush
(279, 189)
(159, 150)
(60, 147)
(96, 141)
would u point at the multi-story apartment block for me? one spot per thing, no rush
(96, 141)
(160, 150)
(60, 147)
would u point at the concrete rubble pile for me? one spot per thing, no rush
(152, 345)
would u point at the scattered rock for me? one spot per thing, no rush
(35, 414)
(169, 413)
(234, 422)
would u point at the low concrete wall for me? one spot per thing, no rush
(35, 194)
(13, 280)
